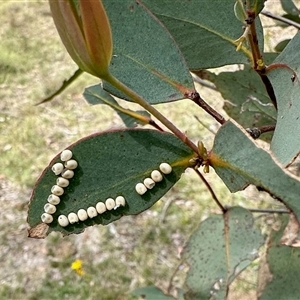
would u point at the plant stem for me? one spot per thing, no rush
(269, 88)
(269, 211)
(213, 195)
(282, 19)
(204, 125)
(199, 101)
(142, 102)
(256, 132)
(258, 63)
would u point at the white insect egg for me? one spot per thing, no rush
(66, 173)
(149, 183)
(100, 207)
(66, 155)
(49, 208)
(53, 199)
(71, 164)
(165, 168)
(73, 218)
(110, 203)
(46, 218)
(57, 168)
(63, 221)
(62, 182)
(82, 214)
(57, 190)
(156, 176)
(92, 212)
(120, 201)
(140, 189)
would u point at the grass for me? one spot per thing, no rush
(134, 252)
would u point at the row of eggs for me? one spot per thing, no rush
(91, 212)
(110, 203)
(156, 176)
(66, 172)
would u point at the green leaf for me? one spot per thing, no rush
(249, 103)
(146, 58)
(110, 164)
(256, 5)
(221, 247)
(64, 85)
(283, 282)
(151, 293)
(290, 7)
(239, 11)
(96, 95)
(281, 45)
(239, 162)
(205, 41)
(284, 76)
(269, 57)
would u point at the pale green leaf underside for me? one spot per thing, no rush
(111, 164)
(240, 162)
(206, 252)
(205, 30)
(285, 143)
(96, 95)
(146, 58)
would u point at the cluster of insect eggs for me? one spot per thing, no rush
(65, 172)
(91, 212)
(156, 176)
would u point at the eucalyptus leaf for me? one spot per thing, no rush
(248, 102)
(96, 95)
(205, 41)
(151, 293)
(290, 7)
(220, 248)
(146, 57)
(109, 164)
(284, 75)
(283, 262)
(281, 45)
(256, 5)
(239, 162)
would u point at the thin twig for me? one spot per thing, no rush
(204, 125)
(172, 278)
(269, 88)
(258, 63)
(165, 209)
(265, 210)
(256, 132)
(213, 195)
(266, 128)
(155, 125)
(199, 101)
(282, 19)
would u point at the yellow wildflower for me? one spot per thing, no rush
(77, 267)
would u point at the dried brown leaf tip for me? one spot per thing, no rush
(39, 231)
